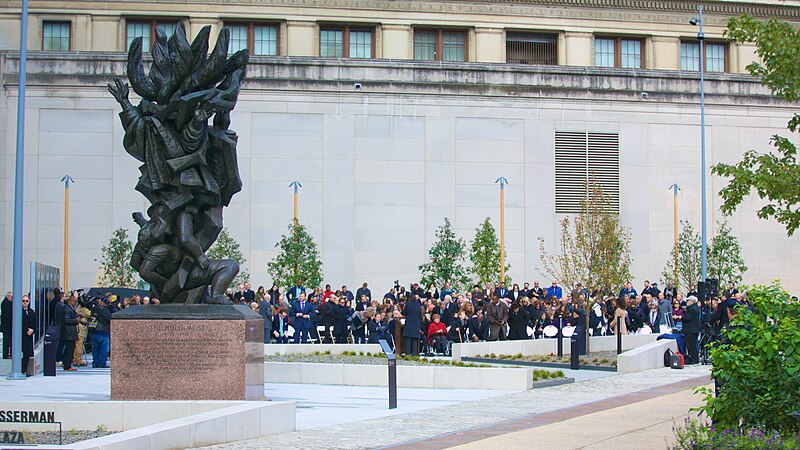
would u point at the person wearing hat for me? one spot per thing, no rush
(101, 335)
(691, 328)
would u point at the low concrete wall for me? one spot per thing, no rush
(547, 346)
(649, 356)
(430, 377)
(335, 349)
(246, 420)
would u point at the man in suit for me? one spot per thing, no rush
(364, 290)
(447, 290)
(301, 318)
(246, 295)
(691, 328)
(294, 293)
(501, 292)
(497, 313)
(280, 326)
(69, 330)
(265, 310)
(478, 327)
(537, 291)
(411, 331)
(347, 294)
(28, 329)
(526, 290)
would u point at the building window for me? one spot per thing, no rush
(715, 59)
(618, 52)
(531, 48)
(582, 157)
(146, 29)
(440, 45)
(259, 39)
(346, 42)
(55, 36)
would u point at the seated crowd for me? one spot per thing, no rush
(490, 313)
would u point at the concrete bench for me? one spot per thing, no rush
(649, 356)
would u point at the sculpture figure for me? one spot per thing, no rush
(189, 169)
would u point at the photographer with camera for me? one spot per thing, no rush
(84, 309)
(101, 334)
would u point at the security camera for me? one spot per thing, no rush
(644, 95)
(357, 86)
(693, 21)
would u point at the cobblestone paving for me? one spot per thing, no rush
(387, 431)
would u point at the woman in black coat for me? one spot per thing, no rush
(28, 332)
(412, 312)
(517, 323)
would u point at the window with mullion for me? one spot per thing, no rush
(454, 46)
(440, 45)
(360, 44)
(425, 45)
(618, 52)
(630, 54)
(238, 38)
(715, 56)
(604, 52)
(55, 36)
(146, 30)
(265, 40)
(345, 42)
(331, 41)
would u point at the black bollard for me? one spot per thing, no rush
(619, 335)
(574, 362)
(387, 350)
(50, 348)
(560, 336)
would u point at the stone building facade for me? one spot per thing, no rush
(396, 114)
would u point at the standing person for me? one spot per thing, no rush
(364, 290)
(83, 331)
(596, 318)
(555, 290)
(301, 317)
(691, 328)
(101, 335)
(28, 330)
(5, 325)
(274, 296)
(294, 293)
(517, 322)
(265, 310)
(497, 313)
(622, 313)
(69, 331)
(413, 326)
(447, 290)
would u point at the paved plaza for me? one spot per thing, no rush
(601, 410)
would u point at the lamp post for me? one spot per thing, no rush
(19, 174)
(698, 22)
(67, 180)
(296, 184)
(675, 188)
(503, 182)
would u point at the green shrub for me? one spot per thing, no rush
(696, 434)
(757, 366)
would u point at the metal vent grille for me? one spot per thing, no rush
(531, 48)
(583, 156)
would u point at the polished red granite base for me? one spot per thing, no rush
(161, 353)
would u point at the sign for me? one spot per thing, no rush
(27, 416)
(12, 437)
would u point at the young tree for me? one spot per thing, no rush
(447, 258)
(226, 247)
(594, 247)
(485, 254)
(297, 259)
(115, 261)
(689, 259)
(725, 261)
(773, 176)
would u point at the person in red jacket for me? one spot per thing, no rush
(437, 335)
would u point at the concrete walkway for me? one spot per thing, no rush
(473, 420)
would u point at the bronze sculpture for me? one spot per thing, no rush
(189, 169)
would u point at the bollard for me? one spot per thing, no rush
(619, 335)
(50, 348)
(392, 372)
(560, 337)
(574, 362)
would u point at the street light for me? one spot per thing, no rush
(698, 22)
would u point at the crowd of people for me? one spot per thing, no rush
(412, 320)
(429, 320)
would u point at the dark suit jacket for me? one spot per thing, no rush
(653, 323)
(276, 324)
(28, 321)
(362, 291)
(478, 329)
(69, 322)
(5, 316)
(691, 320)
(502, 292)
(413, 314)
(301, 322)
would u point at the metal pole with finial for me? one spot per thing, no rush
(503, 181)
(296, 184)
(67, 180)
(675, 188)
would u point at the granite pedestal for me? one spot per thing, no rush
(187, 352)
